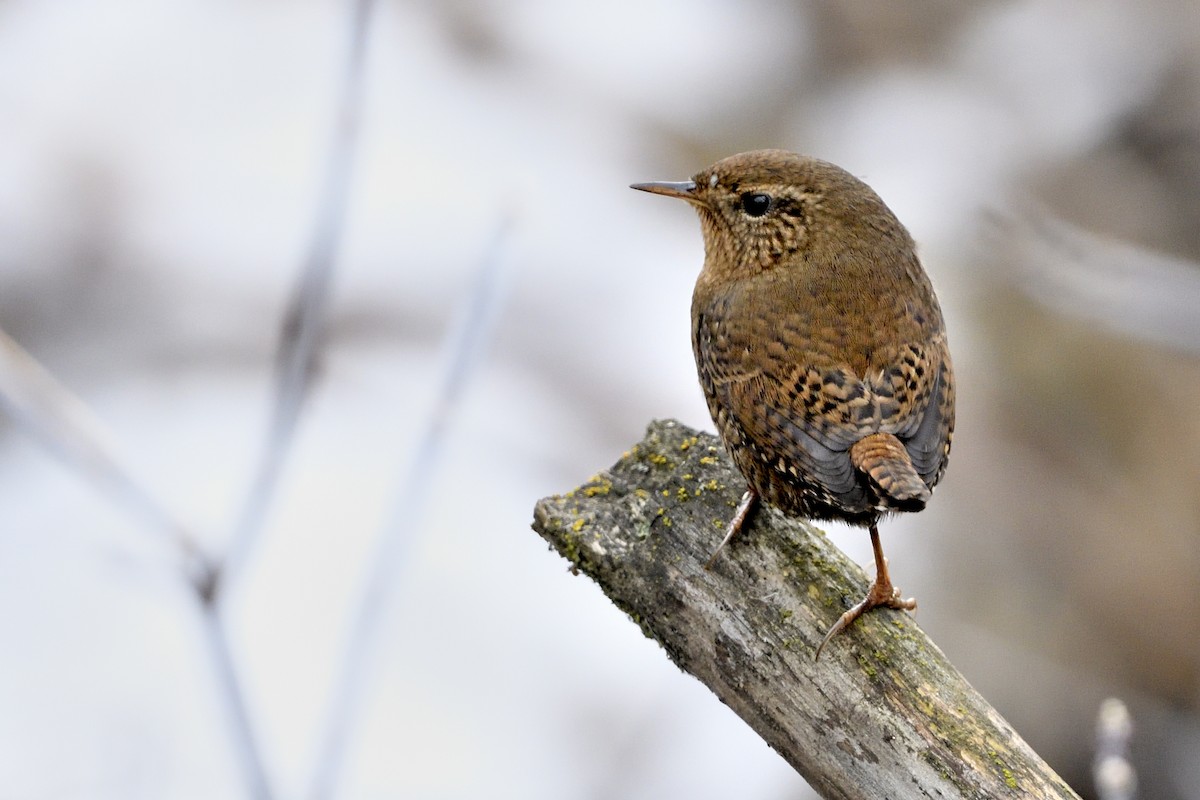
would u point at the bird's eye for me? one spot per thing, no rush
(755, 204)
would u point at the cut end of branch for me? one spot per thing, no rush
(663, 507)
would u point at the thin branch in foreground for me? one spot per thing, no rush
(304, 317)
(882, 714)
(464, 348)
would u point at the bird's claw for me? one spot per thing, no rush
(881, 594)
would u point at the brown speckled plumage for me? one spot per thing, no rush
(819, 343)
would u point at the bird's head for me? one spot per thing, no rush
(769, 207)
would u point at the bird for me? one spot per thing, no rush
(820, 347)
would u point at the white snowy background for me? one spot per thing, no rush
(161, 169)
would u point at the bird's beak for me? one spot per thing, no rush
(685, 190)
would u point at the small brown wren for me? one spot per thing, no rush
(820, 346)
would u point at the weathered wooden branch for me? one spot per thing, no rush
(883, 714)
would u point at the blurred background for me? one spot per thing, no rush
(504, 316)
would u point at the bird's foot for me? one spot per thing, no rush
(881, 594)
(745, 508)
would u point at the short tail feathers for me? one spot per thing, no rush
(883, 459)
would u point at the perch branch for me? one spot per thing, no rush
(882, 714)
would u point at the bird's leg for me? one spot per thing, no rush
(745, 508)
(881, 593)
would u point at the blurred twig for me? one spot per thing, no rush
(246, 745)
(304, 317)
(64, 424)
(463, 351)
(1112, 770)
(1129, 289)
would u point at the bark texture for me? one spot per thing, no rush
(883, 714)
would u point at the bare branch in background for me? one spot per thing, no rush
(229, 684)
(64, 424)
(1129, 289)
(304, 317)
(1112, 771)
(463, 351)
(882, 714)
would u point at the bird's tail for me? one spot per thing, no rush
(883, 459)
